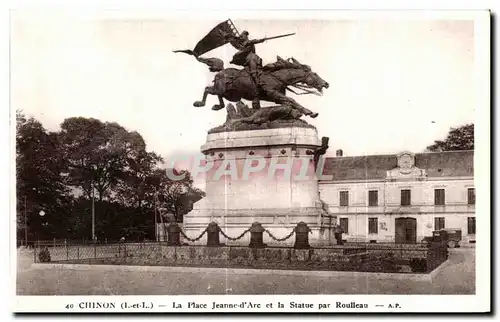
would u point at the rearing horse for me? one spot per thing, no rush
(236, 84)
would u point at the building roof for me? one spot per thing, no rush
(369, 167)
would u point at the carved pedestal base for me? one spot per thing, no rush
(273, 196)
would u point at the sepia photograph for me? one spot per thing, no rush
(250, 162)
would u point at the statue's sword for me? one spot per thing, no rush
(280, 36)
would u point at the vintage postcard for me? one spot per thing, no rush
(262, 161)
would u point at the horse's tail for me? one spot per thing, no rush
(214, 64)
(186, 51)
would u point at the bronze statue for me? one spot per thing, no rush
(319, 151)
(260, 116)
(246, 55)
(254, 82)
(241, 118)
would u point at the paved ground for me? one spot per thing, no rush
(457, 276)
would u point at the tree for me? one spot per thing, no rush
(98, 154)
(138, 183)
(59, 172)
(40, 180)
(459, 138)
(107, 160)
(178, 196)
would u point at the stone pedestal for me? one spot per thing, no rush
(283, 192)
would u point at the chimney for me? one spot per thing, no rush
(339, 152)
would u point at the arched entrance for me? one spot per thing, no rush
(406, 230)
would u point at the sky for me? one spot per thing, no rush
(395, 84)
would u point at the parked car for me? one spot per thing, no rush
(451, 236)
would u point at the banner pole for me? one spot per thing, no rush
(232, 24)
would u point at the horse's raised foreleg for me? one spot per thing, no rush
(280, 98)
(256, 103)
(208, 90)
(220, 106)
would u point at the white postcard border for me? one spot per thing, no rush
(410, 303)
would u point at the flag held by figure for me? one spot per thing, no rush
(220, 35)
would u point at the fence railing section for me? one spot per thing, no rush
(426, 255)
(60, 253)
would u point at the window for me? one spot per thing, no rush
(471, 225)
(438, 223)
(471, 196)
(344, 225)
(439, 197)
(344, 198)
(373, 225)
(373, 198)
(405, 197)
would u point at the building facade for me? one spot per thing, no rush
(401, 198)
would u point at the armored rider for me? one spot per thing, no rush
(246, 55)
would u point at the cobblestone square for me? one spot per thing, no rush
(455, 276)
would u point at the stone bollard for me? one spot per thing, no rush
(213, 234)
(338, 235)
(256, 238)
(302, 236)
(173, 235)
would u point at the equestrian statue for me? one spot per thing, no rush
(255, 82)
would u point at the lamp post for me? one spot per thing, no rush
(42, 214)
(26, 218)
(93, 214)
(156, 228)
(25, 224)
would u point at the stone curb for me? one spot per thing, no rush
(244, 271)
(438, 269)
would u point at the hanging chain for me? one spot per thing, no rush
(280, 239)
(195, 239)
(240, 236)
(236, 238)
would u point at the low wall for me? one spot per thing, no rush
(399, 251)
(229, 255)
(333, 258)
(420, 257)
(367, 258)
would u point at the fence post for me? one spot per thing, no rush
(338, 235)
(67, 249)
(34, 251)
(256, 235)
(213, 234)
(54, 242)
(95, 250)
(173, 235)
(302, 235)
(77, 252)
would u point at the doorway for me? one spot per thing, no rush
(406, 230)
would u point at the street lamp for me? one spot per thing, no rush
(25, 224)
(26, 218)
(93, 214)
(156, 220)
(43, 223)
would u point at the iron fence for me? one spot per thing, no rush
(424, 255)
(73, 242)
(71, 252)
